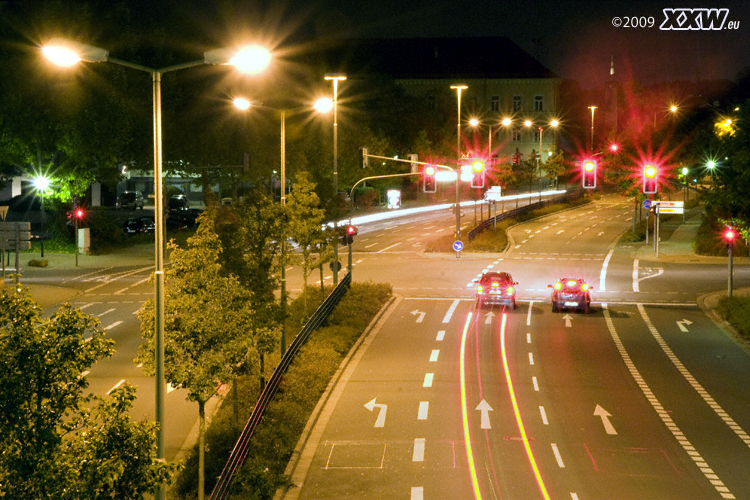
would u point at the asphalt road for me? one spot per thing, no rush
(641, 398)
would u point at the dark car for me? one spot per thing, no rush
(496, 288)
(571, 292)
(139, 225)
(178, 202)
(130, 199)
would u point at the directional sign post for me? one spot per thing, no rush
(458, 245)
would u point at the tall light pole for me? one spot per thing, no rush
(335, 78)
(592, 108)
(251, 59)
(458, 88)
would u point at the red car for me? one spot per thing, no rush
(496, 288)
(571, 292)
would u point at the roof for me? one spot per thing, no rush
(436, 58)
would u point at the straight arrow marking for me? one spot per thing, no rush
(485, 408)
(488, 318)
(568, 320)
(604, 414)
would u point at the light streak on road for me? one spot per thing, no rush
(465, 413)
(517, 411)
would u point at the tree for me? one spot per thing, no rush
(51, 444)
(306, 220)
(207, 325)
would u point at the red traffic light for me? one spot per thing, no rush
(79, 213)
(589, 173)
(649, 179)
(614, 147)
(729, 235)
(351, 229)
(428, 179)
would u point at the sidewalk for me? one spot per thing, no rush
(47, 294)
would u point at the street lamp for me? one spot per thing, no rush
(592, 108)
(335, 78)
(458, 88)
(249, 59)
(41, 184)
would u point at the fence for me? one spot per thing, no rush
(510, 214)
(239, 453)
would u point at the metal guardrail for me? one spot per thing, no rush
(239, 453)
(571, 195)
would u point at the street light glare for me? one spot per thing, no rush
(41, 183)
(506, 121)
(527, 123)
(323, 105)
(251, 60)
(473, 122)
(242, 103)
(554, 123)
(60, 56)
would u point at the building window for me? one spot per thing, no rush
(431, 102)
(516, 103)
(495, 103)
(516, 135)
(538, 103)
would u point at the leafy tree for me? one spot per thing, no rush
(306, 220)
(208, 324)
(51, 444)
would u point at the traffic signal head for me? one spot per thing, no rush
(351, 231)
(477, 174)
(364, 160)
(649, 179)
(428, 179)
(588, 168)
(729, 236)
(614, 147)
(79, 213)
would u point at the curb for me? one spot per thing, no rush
(304, 452)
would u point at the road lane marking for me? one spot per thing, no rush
(603, 275)
(417, 493)
(544, 415)
(558, 457)
(418, 454)
(428, 377)
(528, 315)
(660, 411)
(382, 410)
(635, 275)
(536, 384)
(118, 384)
(424, 407)
(105, 312)
(440, 335)
(528, 338)
(692, 381)
(451, 310)
(531, 358)
(116, 323)
(434, 355)
(388, 248)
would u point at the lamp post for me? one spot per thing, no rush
(592, 108)
(335, 78)
(458, 88)
(42, 184)
(250, 59)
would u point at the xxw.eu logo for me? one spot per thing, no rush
(697, 19)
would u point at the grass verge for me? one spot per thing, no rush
(285, 418)
(736, 311)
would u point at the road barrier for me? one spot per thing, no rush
(510, 214)
(239, 453)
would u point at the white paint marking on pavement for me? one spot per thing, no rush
(635, 275)
(604, 414)
(118, 384)
(417, 493)
(382, 410)
(544, 415)
(116, 323)
(105, 312)
(485, 408)
(536, 384)
(424, 407)
(418, 455)
(603, 275)
(388, 248)
(558, 457)
(531, 358)
(428, 377)
(440, 335)
(528, 338)
(434, 355)
(451, 309)
(528, 315)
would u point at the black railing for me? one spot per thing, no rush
(510, 214)
(239, 453)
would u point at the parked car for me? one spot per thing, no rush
(130, 199)
(139, 225)
(178, 202)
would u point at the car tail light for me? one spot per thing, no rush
(558, 285)
(510, 290)
(585, 286)
(480, 290)
(571, 283)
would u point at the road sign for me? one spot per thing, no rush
(15, 232)
(646, 204)
(493, 193)
(671, 204)
(458, 245)
(4, 211)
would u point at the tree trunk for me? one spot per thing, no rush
(201, 449)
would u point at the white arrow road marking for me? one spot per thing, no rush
(683, 324)
(568, 319)
(488, 318)
(601, 412)
(485, 408)
(371, 405)
(419, 314)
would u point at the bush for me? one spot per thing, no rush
(736, 311)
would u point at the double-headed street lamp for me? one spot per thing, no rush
(249, 59)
